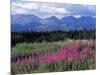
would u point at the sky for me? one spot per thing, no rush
(44, 9)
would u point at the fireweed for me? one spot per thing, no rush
(73, 52)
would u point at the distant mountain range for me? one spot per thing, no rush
(21, 23)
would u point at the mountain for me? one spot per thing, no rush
(24, 22)
(69, 20)
(49, 24)
(51, 21)
(31, 22)
(86, 22)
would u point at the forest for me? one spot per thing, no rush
(18, 37)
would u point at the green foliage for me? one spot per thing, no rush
(18, 37)
(25, 43)
(54, 67)
(24, 49)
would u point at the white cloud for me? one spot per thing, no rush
(36, 8)
(43, 9)
(90, 7)
(57, 10)
(52, 9)
(17, 10)
(26, 5)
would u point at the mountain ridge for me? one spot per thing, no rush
(34, 23)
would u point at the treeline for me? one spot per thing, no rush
(17, 37)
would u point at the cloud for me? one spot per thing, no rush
(56, 10)
(17, 10)
(43, 9)
(26, 5)
(52, 10)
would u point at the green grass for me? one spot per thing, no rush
(23, 49)
(54, 67)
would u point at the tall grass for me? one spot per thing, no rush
(24, 49)
(56, 56)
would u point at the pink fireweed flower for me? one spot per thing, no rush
(24, 62)
(18, 61)
(72, 52)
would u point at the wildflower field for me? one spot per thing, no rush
(66, 55)
(52, 37)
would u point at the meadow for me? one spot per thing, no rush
(52, 37)
(62, 55)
